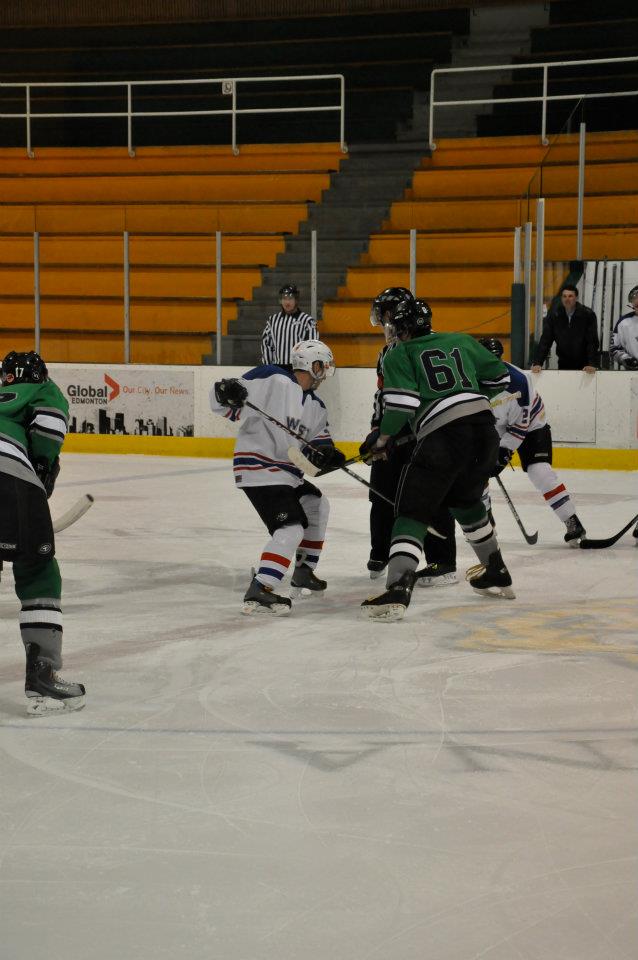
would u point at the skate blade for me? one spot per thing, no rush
(252, 607)
(390, 611)
(43, 706)
(495, 593)
(447, 579)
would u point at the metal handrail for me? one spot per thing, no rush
(228, 88)
(544, 98)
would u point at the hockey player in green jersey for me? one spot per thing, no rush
(33, 423)
(440, 384)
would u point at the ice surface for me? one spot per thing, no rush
(457, 786)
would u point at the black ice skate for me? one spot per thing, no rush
(575, 531)
(437, 575)
(262, 599)
(376, 568)
(392, 604)
(47, 692)
(492, 580)
(304, 580)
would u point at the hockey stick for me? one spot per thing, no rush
(529, 537)
(296, 456)
(299, 436)
(587, 544)
(73, 513)
(309, 468)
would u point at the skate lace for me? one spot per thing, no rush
(472, 572)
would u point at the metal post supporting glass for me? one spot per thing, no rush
(313, 273)
(218, 296)
(581, 191)
(127, 300)
(540, 268)
(527, 280)
(36, 289)
(413, 261)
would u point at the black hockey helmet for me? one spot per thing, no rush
(385, 303)
(289, 290)
(493, 345)
(411, 319)
(24, 368)
(425, 315)
(632, 295)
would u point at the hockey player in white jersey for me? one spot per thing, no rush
(521, 426)
(294, 511)
(624, 340)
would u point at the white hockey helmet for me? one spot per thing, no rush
(304, 355)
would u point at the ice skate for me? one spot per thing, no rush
(492, 580)
(376, 568)
(437, 575)
(392, 604)
(46, 692)
(304, 582)
(575, 531)
(262, 599)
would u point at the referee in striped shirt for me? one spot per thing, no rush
(284, 329)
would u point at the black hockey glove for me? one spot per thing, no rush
(332, 460)
(47, 473)
(230, 393)
(504, 457)
(365, 448)
(630, 363)
(316, 456)
(370, 450)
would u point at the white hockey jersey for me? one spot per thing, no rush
(624, 341)
(261, 449)
(522, 413)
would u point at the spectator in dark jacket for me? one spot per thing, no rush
(573, 327)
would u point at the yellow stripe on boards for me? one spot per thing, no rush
(153, 446)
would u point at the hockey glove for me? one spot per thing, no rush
(365, 448)
(504, 457)
(317, 457)
(47, 473)
(630, 363)
(333, 459)
(230, 393)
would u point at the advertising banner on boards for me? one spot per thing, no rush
(135, 402)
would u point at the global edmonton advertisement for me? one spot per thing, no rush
(132, 403)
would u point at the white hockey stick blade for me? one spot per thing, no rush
(296, 456)
(73, 513)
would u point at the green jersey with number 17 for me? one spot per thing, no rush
(437, 378)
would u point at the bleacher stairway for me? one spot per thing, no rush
(356, 204)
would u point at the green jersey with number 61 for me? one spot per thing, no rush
(439, 377)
